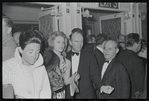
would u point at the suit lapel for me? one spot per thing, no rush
(108, 68)
(99, 52)
(69, 55)
(81, 62)
(69, 58)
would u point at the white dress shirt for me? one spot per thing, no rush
(100, 49)
(75, 62)
(105, 65)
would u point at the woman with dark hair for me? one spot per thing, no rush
(45, 43)
(26, 71)
(57, 66)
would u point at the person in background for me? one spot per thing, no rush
(93, 38)
(121, 38)
(121, 42)
(143, 50)
(114, 74)
(98, 52)
(16, 34)
(90, 43)
(133, 63)
(25, 71)
(143, 55)
(57, 66)
(9, 44)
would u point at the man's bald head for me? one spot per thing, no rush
(110, 49)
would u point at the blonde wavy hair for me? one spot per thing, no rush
(53, 36)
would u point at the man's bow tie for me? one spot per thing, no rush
(107, 61)
(73, 53)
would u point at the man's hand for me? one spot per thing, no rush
(107, 89)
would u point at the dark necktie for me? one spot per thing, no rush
(73, 53)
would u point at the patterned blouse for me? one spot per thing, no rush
(55, 70)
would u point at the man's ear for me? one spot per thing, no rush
(135, 45)
(103, 44)
(117, 50)
(9, 29)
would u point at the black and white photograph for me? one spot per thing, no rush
(74, 50)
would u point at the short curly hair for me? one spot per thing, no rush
(131, 39)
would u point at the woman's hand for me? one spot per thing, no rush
(74, 83)
(76, 77)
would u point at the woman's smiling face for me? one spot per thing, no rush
(59, 43)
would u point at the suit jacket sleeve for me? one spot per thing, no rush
(122, 82)
(94, 72)
(100, 59)
(139, 76)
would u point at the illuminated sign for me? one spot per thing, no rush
(108, 5)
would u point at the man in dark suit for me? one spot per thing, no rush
(89, 43)
(85, 65)
(98, 51)
(114, 74)
(133, 64)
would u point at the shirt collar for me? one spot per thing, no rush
(74, 51)
(75, 54)
(100, 49)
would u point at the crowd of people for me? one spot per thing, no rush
(78, 67)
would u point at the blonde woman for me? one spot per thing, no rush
(57, 66)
